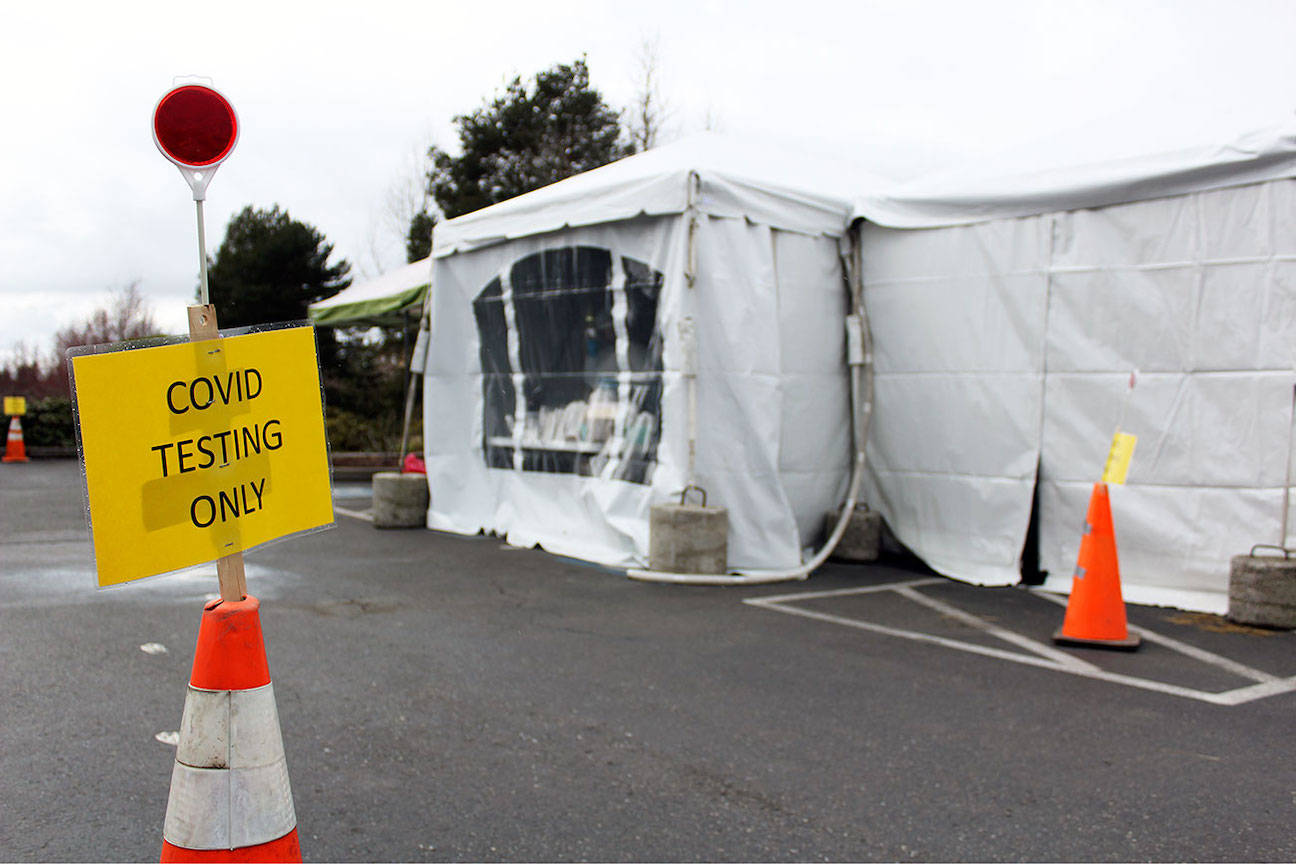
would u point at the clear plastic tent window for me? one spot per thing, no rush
(571, 361)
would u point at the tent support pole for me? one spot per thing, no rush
(417, 361)
(860, 361)
(688, 332)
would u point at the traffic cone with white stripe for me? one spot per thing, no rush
(15, 450)
(1095, 615)
(230, 799)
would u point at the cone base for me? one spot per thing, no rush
(1129, 643)
(14, 459)
(286, 848)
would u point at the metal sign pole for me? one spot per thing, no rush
(202, 255)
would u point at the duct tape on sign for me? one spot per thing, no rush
(197, 450)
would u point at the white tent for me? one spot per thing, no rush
(556, 407)
(1008, 314)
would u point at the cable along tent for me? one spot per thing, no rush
(567, 323)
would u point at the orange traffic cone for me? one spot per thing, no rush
(14, 449)
(1095, 613)
(230, 799)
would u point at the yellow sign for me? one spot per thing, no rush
(15, 406)
(198, 450)
(1118, 458)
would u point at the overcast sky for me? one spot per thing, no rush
(338, 100)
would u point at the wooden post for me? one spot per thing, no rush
(229, 569)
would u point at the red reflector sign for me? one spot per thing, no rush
(195, 127)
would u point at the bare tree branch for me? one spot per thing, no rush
(126, 316)
(649, 112)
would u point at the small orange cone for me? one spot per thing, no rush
(1095, 615)
(14, 449)
(230, 799)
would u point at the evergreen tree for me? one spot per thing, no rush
(418, 242)
(529, 136)
(270, 267)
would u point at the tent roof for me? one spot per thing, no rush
(784, 185)
(969, 196)
(378, 301)
(796, 188)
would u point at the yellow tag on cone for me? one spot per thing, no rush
(1118, 458)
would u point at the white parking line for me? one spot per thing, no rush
(1182, 647)
(1042, 656)
(842, 592)
(363, 515)
(914, 635)
(1048, 651)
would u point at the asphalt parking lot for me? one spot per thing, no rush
(453, 698)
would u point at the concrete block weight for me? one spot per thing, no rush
(862, 538)
(1262, 591)
(400, 500)
(688, 538)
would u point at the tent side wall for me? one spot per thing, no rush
(815, 445)
(774, 426)
(543, 485)
(773, 429)
(1197, 292)
(958, 319)
(1007, 342)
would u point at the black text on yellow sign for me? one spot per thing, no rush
(197, 450)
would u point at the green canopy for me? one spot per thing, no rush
(384, 301)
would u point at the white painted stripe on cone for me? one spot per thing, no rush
(198, 810)
(229, 787)
(254, 728)
(204, 729)
(261, 805)
(230, 729)
(228, 808)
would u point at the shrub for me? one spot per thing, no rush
(49, 423)
(349, 431)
